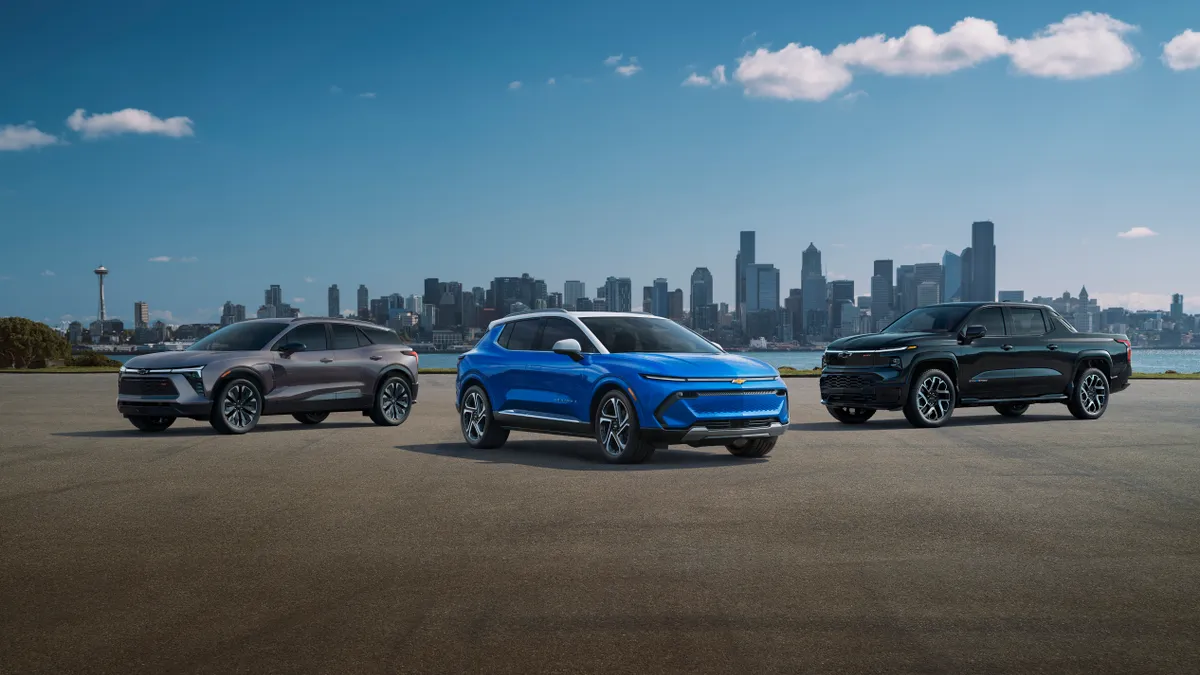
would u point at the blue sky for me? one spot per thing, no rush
(384, 142)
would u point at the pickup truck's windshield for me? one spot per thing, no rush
(937, 319)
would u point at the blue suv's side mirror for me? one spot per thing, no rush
(569, 347)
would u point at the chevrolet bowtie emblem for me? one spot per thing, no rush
(738, 381)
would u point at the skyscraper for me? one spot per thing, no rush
(273, 297)
(905, 297)
(433, 292)
(951, 277)
(968, 273)
(1177, 307)
(983, 262)
(881, 300)
(414, 303)
(647, 298)
(815, 292)
(101, 272)
(335, 301)
(927, 293)
(841, 291)
(701, 295)
(675, 305)
(928, 273)
(141, 315)
(618, 291)
(660, 300)
(745, 258)
(883, 268)
(364, 299)
(572, 292)
(1011, 296)
(762, 288)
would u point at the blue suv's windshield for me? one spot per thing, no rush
(239, 337)
(621, 334)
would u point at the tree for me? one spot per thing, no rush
(29, 344)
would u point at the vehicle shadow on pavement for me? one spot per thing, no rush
(892, 424)
(579, 456)
(206, 430)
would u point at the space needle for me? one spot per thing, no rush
(101, 272)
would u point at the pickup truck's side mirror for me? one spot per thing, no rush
(569, 347)
(972, 333)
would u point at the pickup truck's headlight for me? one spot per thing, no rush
(897, 363)
(824, 359)
(122, 370)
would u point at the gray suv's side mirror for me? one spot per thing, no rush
(291, 347)
(569, 347)
(973, 333)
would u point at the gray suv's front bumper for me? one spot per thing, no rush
(185, 402)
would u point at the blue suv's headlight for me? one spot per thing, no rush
(664, 378)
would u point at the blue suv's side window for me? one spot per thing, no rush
(524, 335)
(560, 329)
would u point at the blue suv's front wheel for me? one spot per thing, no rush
(479, 428)
(617, 430)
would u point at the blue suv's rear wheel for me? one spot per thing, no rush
(617, 430)
(479, 428)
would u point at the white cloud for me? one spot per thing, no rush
(854, 96)
(47, 273)
(298, 301)
(921, 51)
(514, 85)
(614, 60)
(189, 259)
(16, 137)
(629, 69)
(1080, 46)
(367, 94)
(1183, 51)
(793, 73)
(163, 315)
(1137, 233)
(309, 280)
(349, 312)
(128, 121)
(334, 89)
(552, 82)
(716, 79)
(160, 258)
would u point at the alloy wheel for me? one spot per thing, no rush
(395, 401)
(474, 417)
(934, 398)
(614, 426)
(240, 406)
(1094, 393)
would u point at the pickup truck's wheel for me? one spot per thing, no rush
(931, 399)
(1012, 409)
(393, 402)
(850, 415)
(752, 447)
(311, 417)
(1089, 398)
(151, 424)
(237, 407)
(617, 430)
(479, 428)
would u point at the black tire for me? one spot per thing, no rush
(393, 402)
(752, 448)
(1012, 409)
(850, 414)
(237, 407)
(479, 427)
(1089, 396)
(931, 399)
(310, 417)
(618, 432)
(151, 424)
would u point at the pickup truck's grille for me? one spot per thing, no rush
(147, 386)
(847, 381)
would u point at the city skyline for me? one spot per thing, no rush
(132, 148)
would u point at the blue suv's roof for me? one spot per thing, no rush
(561, 312)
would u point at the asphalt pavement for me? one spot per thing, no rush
(1038, 545)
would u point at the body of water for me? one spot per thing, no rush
(1144, 360)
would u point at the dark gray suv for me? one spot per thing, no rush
(307, 368)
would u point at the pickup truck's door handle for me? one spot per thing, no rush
(1052, 348)
(377, 358)
(326, 360)
(1007, 348)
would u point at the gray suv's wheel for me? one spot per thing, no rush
(310, 417)
(479, 428)
(617, 430)
(237, 407)
(151, 424)
(1089, 398)
(393, 402)
(931, 399)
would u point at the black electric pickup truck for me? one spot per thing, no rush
(941, 357)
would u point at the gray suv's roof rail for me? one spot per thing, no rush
(336, 318)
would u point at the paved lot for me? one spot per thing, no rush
(1041, 545)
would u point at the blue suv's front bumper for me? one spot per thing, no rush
(701, 413)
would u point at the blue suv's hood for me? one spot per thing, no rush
(698, 365)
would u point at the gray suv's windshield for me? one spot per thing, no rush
(239, 337)
(937, 319)
(621, 334)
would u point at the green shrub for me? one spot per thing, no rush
(92, 360)
(29, 344)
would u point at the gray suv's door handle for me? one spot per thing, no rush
(326, 360)
(377, 358)
(1052, 348)
(1007, 348)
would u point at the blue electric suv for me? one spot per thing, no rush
(634, 382)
